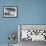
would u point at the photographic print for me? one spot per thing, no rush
(10, 11)
(32, 32)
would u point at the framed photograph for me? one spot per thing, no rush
(10, 11)
(32, 32)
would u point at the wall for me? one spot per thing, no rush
(7, 25)
(32, 11)
(29, 12)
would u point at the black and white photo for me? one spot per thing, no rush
(10, 11)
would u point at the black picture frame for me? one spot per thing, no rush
(10, 11)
